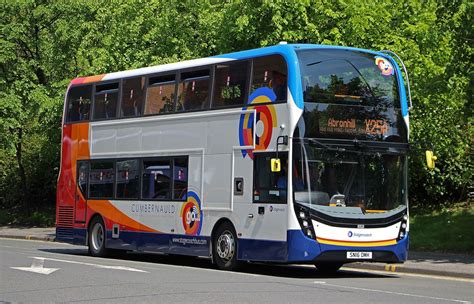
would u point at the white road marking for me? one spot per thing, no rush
(397, 293)
(94, 265)
(37, 266)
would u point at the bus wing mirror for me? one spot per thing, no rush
(275, 165)
(430, 159)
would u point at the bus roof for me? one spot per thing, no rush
(287, 50)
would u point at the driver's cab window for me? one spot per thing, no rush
(270, 187)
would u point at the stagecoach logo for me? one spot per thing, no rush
(265, 120)
(276, 209)
(358, 234)
(191, 214)
(384, 66)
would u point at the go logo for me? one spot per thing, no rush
(191, 214)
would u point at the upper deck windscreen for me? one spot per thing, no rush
(348, 77)
(350, 94)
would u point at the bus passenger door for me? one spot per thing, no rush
(264, 210)
(80, 202)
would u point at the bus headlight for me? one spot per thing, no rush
(403, 228)
(305, 222)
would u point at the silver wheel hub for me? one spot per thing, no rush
(97, 236)
(226, 246)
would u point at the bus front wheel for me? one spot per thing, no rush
(224, 247)
(97, 236)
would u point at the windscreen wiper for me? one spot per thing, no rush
(324, 146)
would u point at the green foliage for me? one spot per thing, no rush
(449, 230)
(44, 44)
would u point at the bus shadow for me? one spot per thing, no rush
(273, 270)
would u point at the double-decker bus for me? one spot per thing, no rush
(292, 153)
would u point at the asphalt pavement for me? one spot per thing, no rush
(427, 263)
(37, 271)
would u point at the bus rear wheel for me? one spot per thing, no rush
(97, 236)
(224, 247)
(328, 267)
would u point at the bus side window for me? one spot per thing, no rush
(106, 98)
(194, 91)
(78, 104)
(271, 72)
(127, 179)
(160, 94)
(82, 177)
(101, 179)
(132, 97)
(180, 186)
(156, 181)
(230, 84)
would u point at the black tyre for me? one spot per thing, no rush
(224, 247)
(97, 238)
(328, 267)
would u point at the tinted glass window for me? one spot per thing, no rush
(348, 77)
(127, 179)
(194, 91)
(157, 177)
(79, 103)
(101, 179)
(105, 103)
(269, 187)
(180, 186)
(230, 85)
(271, 72)
(82, 176)
(132, 97)
(160, 94)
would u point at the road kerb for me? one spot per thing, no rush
(401, 268)
(46, 238)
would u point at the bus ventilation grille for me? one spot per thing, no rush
(65, 216)
(63, 234)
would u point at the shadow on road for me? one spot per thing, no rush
(274, 270)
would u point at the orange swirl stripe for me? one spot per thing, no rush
(106, 209)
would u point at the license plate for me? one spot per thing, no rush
(365, 255)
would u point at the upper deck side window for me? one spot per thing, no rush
(230, 84)
(106, 100)
(133, 93)
(272, 72)
(79, 103)
(160, 96)
(194, 90)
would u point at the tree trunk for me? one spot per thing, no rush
(24, 186)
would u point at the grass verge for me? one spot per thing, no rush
(43, 218)
(448, 230)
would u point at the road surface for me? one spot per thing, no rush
(34, 271)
